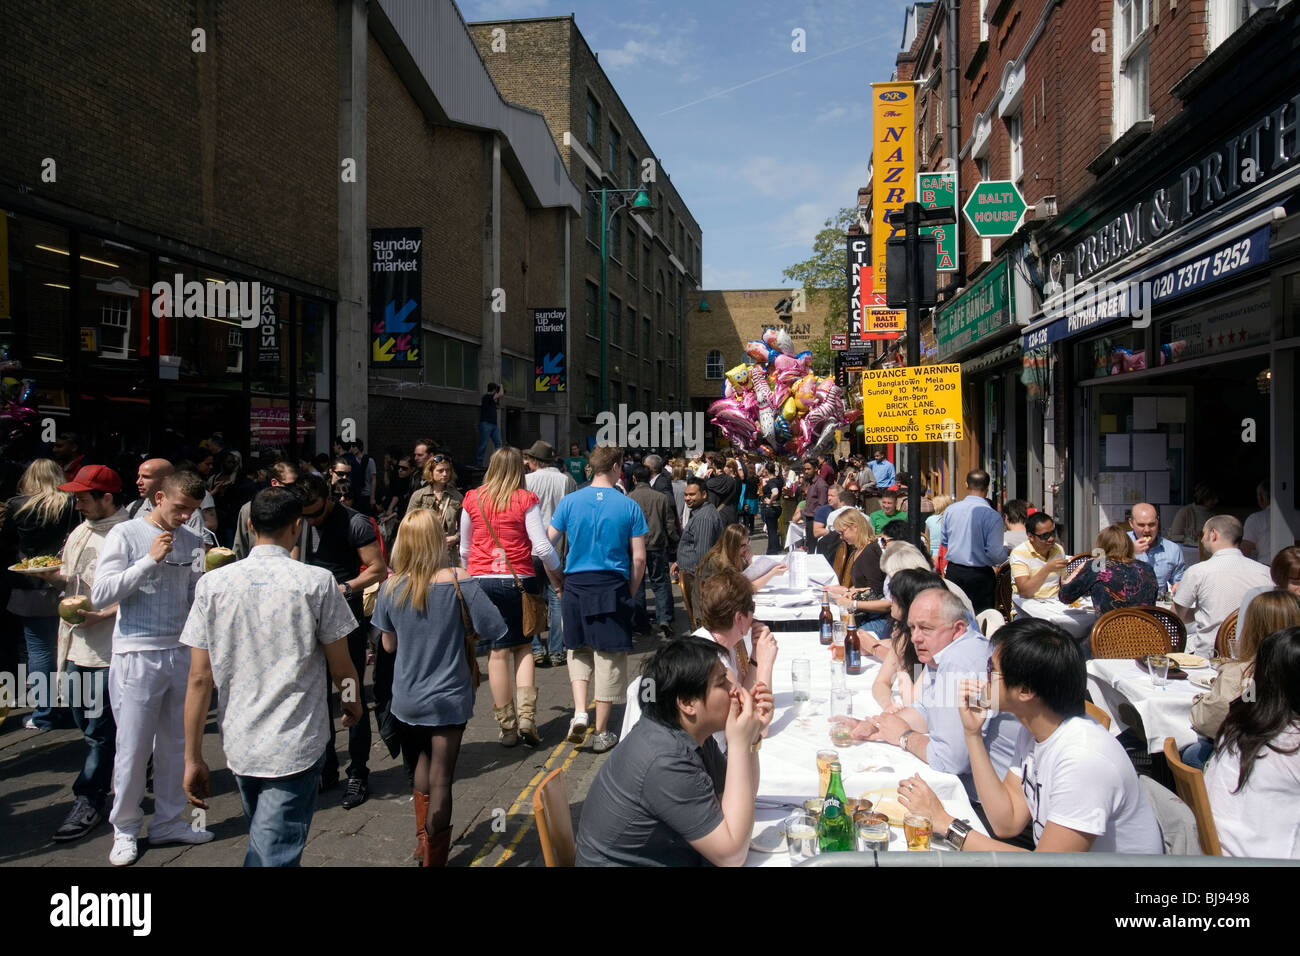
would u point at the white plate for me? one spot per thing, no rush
(769, 839)
(17, 570)
(1202, 680)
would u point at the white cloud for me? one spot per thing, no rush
(770, 176)
(839, 113)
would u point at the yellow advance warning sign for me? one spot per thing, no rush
(922, 403)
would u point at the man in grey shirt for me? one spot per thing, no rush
(283, 474)
(662, 538)
(704, 527)
(549, 484)
(262, 631)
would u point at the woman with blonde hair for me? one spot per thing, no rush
(420, 613)
(932, 523)
(732, 551)
(500, 533)
(440, 496)
(38, 521)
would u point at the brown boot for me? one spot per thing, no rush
(528, 716)
(439, 845)
(508, 723)
(421, 837)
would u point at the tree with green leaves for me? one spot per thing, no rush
(823, 281)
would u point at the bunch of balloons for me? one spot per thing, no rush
(778, 405)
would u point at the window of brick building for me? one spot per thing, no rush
(593, 309)
(713, 364)
(614, 321)
(631, 251)
(592, 395)
(1015, 148)
(616, 239)
(984, 19)
(450, 363)
(592, 214)
(1226, 17)
(1132, 66)
(631, 169)
(647, 338)
(645, 265)
(615, 151)
(593, 123)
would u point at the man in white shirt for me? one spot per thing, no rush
(262, 631)
(1255, 535)
(1071, 779)
(1213, 589)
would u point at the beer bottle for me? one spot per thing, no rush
(835, 828)
(852, 651)
(825, 621)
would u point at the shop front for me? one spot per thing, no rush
(90, 347)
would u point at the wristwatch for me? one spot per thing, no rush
(347, 591)
(958, 830)
(756, 746)
(902, 741)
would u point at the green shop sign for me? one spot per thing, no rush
(982, 309)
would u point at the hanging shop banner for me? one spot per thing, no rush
(981, 310)
(886, 320)
(939, 191)
(893, 158)
(858, 249)
(548, 349)
(919, 403)
(268, 335)
(872, 302)
(395, 283)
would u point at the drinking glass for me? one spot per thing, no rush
(837, 675)
(801, 677)
(1234, 648)
(801, 836)
(917, 828)
(841, 702)
(824, 760)
(872, 831)
(1158, 667)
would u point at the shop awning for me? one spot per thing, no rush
(1144, 287)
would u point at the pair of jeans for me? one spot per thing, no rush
(554, 643)
(656, 576)
(358, 733)
(772, 521)
(279, 811)
(1198, 754)
(487, 432)
(94, 718)
(42, 636)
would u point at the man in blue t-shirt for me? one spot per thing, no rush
(605, 564)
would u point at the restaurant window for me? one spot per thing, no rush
(713, 365)
(315, 358)
(114, 302)
(592, 304)
(40, 285)
(593, 123)
(1241, 319)
(1132, 21)
(200, 348)
(1117, 353)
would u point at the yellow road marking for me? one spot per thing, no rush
(528, 821)
(524, 794)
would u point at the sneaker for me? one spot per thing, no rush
(81, 819)
(541, 660)
(30, 724)
(602, 743)
(356, 793)
(179, 832)
(558, 660)
(577, 729)
(124, 850)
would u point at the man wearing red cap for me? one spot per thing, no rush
(96, 491)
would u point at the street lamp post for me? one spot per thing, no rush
(640, 202)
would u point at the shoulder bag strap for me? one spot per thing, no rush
(483, 511)
(464, 609)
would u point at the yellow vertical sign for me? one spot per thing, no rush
(4, 265)
(893, 160)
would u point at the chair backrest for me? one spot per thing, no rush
(1172, 623)
(1002, 586)
(989, 621)
(1073, 564)
(1128, 632)
(554, 820)
(1227, 632)
(686, 579)
(1190, 784)
(1096, 713)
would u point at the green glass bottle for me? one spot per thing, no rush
(835, 829)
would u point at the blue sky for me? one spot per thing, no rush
(763, 143)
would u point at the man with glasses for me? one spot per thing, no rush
(931, 729)
(1036, 568)
(149, 567)
(340, 470)
(344, 542)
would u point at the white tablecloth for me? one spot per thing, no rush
(788, 760)
(1166, 711)
(779, 602)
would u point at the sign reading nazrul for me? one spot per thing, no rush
(893, 157)
(395, 289)
(918, 403)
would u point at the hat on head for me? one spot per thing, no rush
(541, 451)
(94, 478)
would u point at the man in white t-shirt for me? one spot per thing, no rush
(1072, 781)
(1255, 537)
(1213, 589)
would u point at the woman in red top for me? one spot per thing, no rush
(500, 531)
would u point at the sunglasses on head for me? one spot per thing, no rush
(438, 458)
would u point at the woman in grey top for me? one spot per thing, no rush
(418, 612)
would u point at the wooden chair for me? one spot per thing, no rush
(1190, 784)
(1172, 623)
(554, 821)
(1073, 564)
(1096, 713)
(1002, 588)
(687, 579)
(1128, 632)
(1227, 632)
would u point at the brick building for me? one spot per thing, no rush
(654, 260)
(1148, 137)
(262, 143)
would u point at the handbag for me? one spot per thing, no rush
(471, 636)
(536, 612)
